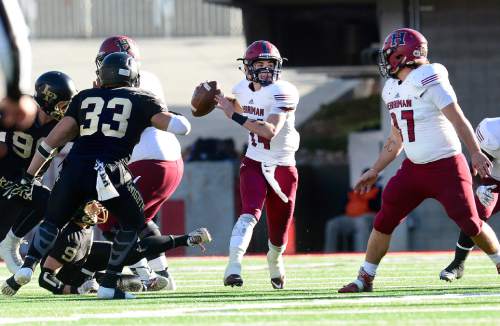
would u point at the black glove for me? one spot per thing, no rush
(22, 189)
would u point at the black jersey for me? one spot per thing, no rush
(73, 244)
(21, 146)
(111, 121)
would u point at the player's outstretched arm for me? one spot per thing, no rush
(63, 132)
(391, 150)
(480, 163)
(171, 122)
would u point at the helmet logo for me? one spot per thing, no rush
(397, 40)
(123, 45)
(48, 95)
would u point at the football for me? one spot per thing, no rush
(203, 100)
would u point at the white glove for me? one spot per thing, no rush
(88, 286)
(485, 194)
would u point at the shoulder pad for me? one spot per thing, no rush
(389, 89)
(284, 92)
(240, 86)
(427, 75)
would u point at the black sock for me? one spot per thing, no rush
(30, 262)
(155, 245)
(109, 280)
(464, 242)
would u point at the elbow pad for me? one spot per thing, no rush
(48, 281)
(179, 125)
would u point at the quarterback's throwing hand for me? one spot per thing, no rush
(366, 181)
(225, 105)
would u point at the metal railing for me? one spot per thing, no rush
(146, 18)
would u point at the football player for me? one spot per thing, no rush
(265, 106)
(72, 264)
(428, 124)
(104, 123)
(487, 203)
(53, 91)
(156, 161)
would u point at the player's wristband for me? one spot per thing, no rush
(239, 118)
(46, 151)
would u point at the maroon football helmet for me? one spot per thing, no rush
(117, 43)
(404, 47)
(262, 50)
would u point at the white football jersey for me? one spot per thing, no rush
(155, 144)
(271, 99)
(415, 109)
(488, 134)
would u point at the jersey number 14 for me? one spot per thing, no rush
(410, 123)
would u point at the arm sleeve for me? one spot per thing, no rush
(441, 94)
(15, 49)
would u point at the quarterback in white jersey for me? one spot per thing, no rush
(265, 106)
(487, 203)
(427, 123)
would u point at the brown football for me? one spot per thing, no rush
(203, 100)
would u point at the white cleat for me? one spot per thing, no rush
(276, 270)
(23, 276)
(112, 293)
(9, 252)
(198, 237)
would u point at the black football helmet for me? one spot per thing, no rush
(53, 91)
(118, 69)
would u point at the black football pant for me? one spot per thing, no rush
(77, 185)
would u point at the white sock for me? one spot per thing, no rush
(158, 264)
(275, 260)
(240, 239)
(370, 268)
(143, 271)
(495, 258)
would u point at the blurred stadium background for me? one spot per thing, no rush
(331, 47)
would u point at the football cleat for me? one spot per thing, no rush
(10, 286)
(157, 283)
(9, 252)
(233, 280)
(452, 272)
(199, 237)
(278, 282)
(171, 282)
(113, 293)
(364, 283)
(498, 268)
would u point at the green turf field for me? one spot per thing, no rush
(407, 291)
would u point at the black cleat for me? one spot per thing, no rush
(233, 280)
(278, 282)
(453, 272)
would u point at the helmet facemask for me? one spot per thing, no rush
(253, 74)
(94, 213)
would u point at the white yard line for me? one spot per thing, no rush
(242, 308)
